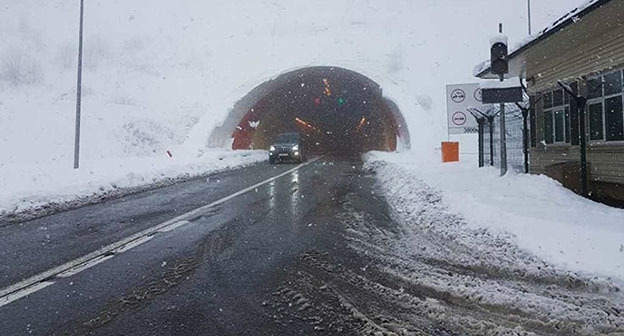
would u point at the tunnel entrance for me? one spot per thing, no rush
(337, 111)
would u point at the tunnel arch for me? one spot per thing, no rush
(335, 108)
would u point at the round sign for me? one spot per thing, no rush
(459, 118)
(477, 95)
(458, 95)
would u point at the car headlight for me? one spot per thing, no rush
(272, 148)
(295, 147)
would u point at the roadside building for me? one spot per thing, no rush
(584, 49)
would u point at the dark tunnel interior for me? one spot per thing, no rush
(337, 111)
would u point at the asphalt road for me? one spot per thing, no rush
(274, 250)
(216, 275)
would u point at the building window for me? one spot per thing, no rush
(594, 88)
(566, 127)
(606, 115)
(595, 121)
(556, 117)
(613, 83)
(547, 100)
(548, 127)
(574, 117)
(614, 118)
(559, 124)
(533, 121)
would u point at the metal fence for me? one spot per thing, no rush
(515, 142)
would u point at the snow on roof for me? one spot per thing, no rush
(480, 68)
(573, 16)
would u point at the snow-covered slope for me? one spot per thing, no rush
(154, 70)
(160, 75)
(533, 212)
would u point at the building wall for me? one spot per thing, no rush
(593, 44)
(606, 159)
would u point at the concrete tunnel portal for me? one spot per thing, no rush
(337, 111)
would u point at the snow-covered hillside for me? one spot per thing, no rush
(160, 75)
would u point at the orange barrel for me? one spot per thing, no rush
(450, 151)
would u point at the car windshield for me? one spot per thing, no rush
(312, 167)
(287, 138)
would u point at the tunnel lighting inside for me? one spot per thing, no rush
(308, 125)
(337, 111)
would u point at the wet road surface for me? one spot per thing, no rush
(217, 275)
(315, 251)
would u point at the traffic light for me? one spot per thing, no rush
(498, 55)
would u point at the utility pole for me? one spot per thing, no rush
(79, 90)
(503, 133)
(499, 65)
(503, 137)
(529, 15)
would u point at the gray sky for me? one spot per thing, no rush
(513, 14)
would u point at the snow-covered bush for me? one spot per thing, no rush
(67, 56)
(19, 67)
(143, 137)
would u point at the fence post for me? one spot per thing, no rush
(480, 123)
(525, 139)
(491, 122)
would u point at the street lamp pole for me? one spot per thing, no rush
(503, 137)
(79, 90)
(503, 130)
(529, 15)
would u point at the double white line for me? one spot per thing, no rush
(45, 279)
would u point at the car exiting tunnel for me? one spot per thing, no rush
(336, 110)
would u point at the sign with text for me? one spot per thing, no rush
(502, 95)
(459, 98)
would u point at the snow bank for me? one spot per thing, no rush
(28, 187)
(161, 75)
(537, 213)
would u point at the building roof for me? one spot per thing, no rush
(482, 70)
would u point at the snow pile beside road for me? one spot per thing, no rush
(533, 212)
(25, 188)
(163, 73)
(160, 75)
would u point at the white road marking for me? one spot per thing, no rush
(174, 222)
(82, 267)
(174, 226)
(134, 244)
(5, 300)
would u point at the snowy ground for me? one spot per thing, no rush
(160, 75)
(422, 268)
(534, 213)
(28, 188)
